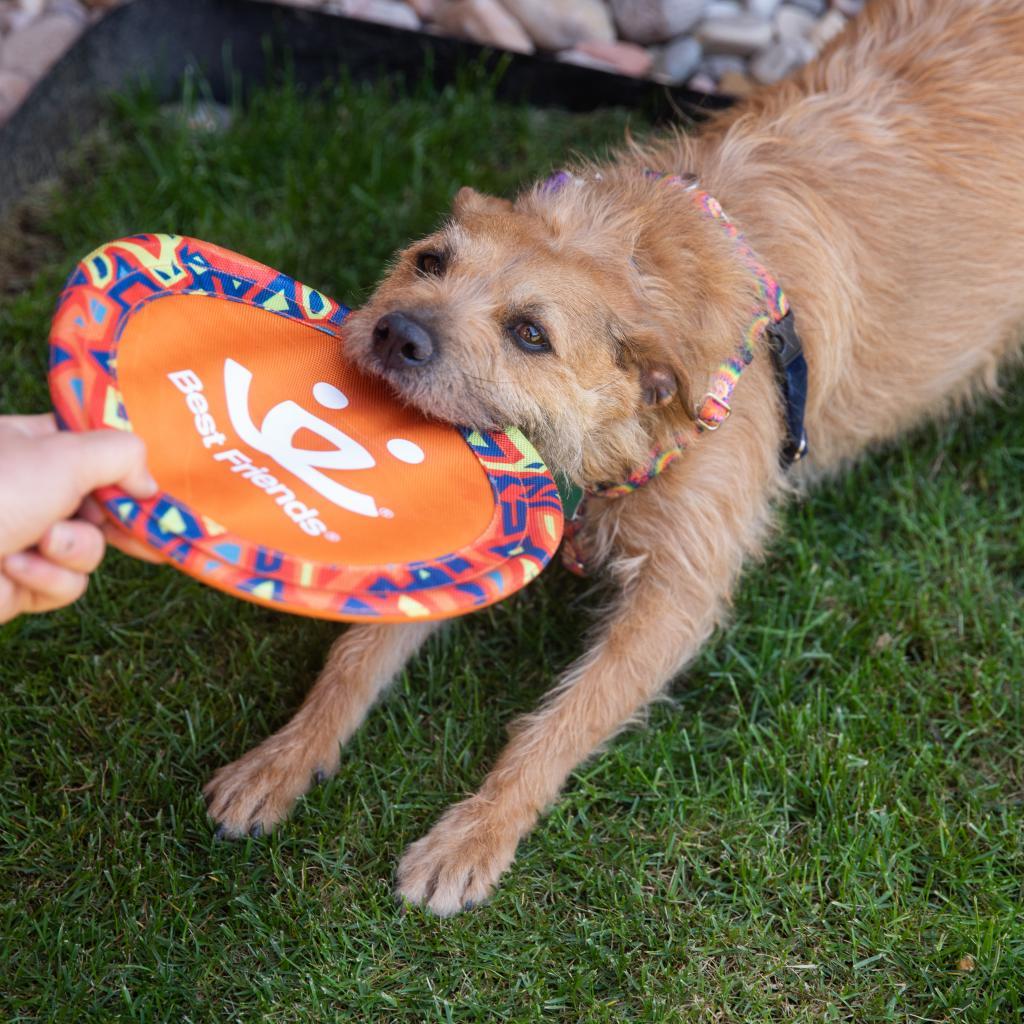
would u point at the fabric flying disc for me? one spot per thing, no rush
(287, 476)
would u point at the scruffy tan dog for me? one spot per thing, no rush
(883, 187)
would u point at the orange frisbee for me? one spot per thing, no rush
(287, 476)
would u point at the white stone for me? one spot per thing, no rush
(560, 24)
(654, 21)
(383, 12)
(777, 61)
(626, 58)
(484, 21)
(16, 13)
(586, 60)
(764, 9)
(718, 64)
(426, 9)
(723, 9)
(703, 83)
(34, 49)
(72, 8)
(742, 35)
(828, 28)
(792, 22)
(679, 60)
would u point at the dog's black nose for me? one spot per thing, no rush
(401, 342)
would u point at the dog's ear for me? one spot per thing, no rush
(658, 384)
(468, 200)
(662, 374)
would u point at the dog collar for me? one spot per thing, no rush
(771, 318)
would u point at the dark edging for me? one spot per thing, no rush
(158, 41)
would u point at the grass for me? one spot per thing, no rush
(822, 827)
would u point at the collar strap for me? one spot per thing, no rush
(771, 318)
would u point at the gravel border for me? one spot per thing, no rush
(132, 44)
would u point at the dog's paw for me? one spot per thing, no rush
(454, 867)
(251, 795)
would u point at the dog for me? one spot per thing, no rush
(604, 312)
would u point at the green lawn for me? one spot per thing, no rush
(825, 822)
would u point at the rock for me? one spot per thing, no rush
(428, 10)
(718, 64)
(742, 35)
(792, 22)
(13, 89)
(735, 83)
(34, 49)
(779, 59)
(14, 15)
(484, 21)
(622, 58)
(383, 12)
(584, 60)
(763, 9)
(723, 9)
(560, 24)
(827, 29)
(679, 60)
(72, 8)
(703, 83)
(654, 21)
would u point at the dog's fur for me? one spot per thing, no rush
(882, 185)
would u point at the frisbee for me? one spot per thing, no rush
(286, 475)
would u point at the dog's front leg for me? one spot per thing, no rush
(254, 793)
(657, 626)
(646, 640)
(681, 545)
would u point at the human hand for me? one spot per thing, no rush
(49, 540)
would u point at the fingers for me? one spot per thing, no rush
(39, 585)
(30, 426)
(74, 545)
(109, 457)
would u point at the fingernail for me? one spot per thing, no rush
(17, 563)
(149, 485)
(61, 539)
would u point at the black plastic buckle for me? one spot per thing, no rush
(791, 371)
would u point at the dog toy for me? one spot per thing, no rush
(287, 476)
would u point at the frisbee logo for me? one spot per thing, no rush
(275, 437)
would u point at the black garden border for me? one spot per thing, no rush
(160, 41)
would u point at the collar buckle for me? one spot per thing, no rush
(714, 411)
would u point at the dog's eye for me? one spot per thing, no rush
(529, 337)
(430, 263)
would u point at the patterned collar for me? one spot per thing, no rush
(771, 318)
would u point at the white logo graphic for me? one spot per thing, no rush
(275, 437)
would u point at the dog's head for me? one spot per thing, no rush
(575, 314)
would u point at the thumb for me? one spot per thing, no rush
(103, 458)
